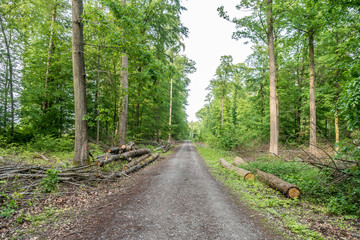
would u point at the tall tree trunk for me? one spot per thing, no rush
(222, 107)
(312, 147)
(337, 132)
(274, 122)
(50, 53)
(300, 79)
(125, 99)
(9, 81)
(170, 108)
(81, 151)
(98, 98)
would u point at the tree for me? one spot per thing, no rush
(125, 99)
(274, 115)
(81, 151)
(252, 27)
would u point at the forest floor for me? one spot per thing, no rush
(175, 197)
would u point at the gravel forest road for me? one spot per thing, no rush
(178, 198)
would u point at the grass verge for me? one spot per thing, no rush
(295, 219)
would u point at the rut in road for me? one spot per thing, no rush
(181, 200)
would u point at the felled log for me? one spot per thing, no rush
(166, 148)
(238, 161)
(277, 183)
(239, 171)
(114, 150)
(135, 153)
(159, 148)
(143, 163)
(123, 156)
(129, 146)
(124, 148)
(135, 162)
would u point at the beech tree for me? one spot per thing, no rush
(81, 151)
(252, 27)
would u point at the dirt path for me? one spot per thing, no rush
(175, 199)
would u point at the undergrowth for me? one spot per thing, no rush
(289, 214)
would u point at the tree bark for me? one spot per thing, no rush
(222, 111)
(274, 115)
(9, 80)
(136, 161)
(124, 102)
(239, 171)
(125, 98)
(275, 182)
(50, 53)
(170, 108)
(238, 161)
(126, 155)
(98, 98)
(337, 132)
(312, 147)
(81, 152)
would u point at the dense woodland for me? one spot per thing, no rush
(313, 80)
(37, 89)
(113, 73)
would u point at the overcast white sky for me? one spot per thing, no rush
(209, 39)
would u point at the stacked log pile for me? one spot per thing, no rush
(108, 158)
(31, 176)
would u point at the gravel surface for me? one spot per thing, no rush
(178, 199)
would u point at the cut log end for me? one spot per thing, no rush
(294, 193)
(250, 176)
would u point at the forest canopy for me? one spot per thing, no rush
(37, 90)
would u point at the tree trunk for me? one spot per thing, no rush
(238, 161)
(337, 132)
(239, 171)
(9, 80)
(98, 98)
(312, 147)
(275, 182)
(125, 97)
(81, 152)
(222, 111)
(124, 102)
(50, 53)
(274, 115)
(170, 108)
(6, 87)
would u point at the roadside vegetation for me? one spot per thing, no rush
(32, 206)
(324, 210)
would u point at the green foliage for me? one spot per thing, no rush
(258, 196)
(149, 32)
(50, 182)
(10, 204)
(51, 144)
(315, 185)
